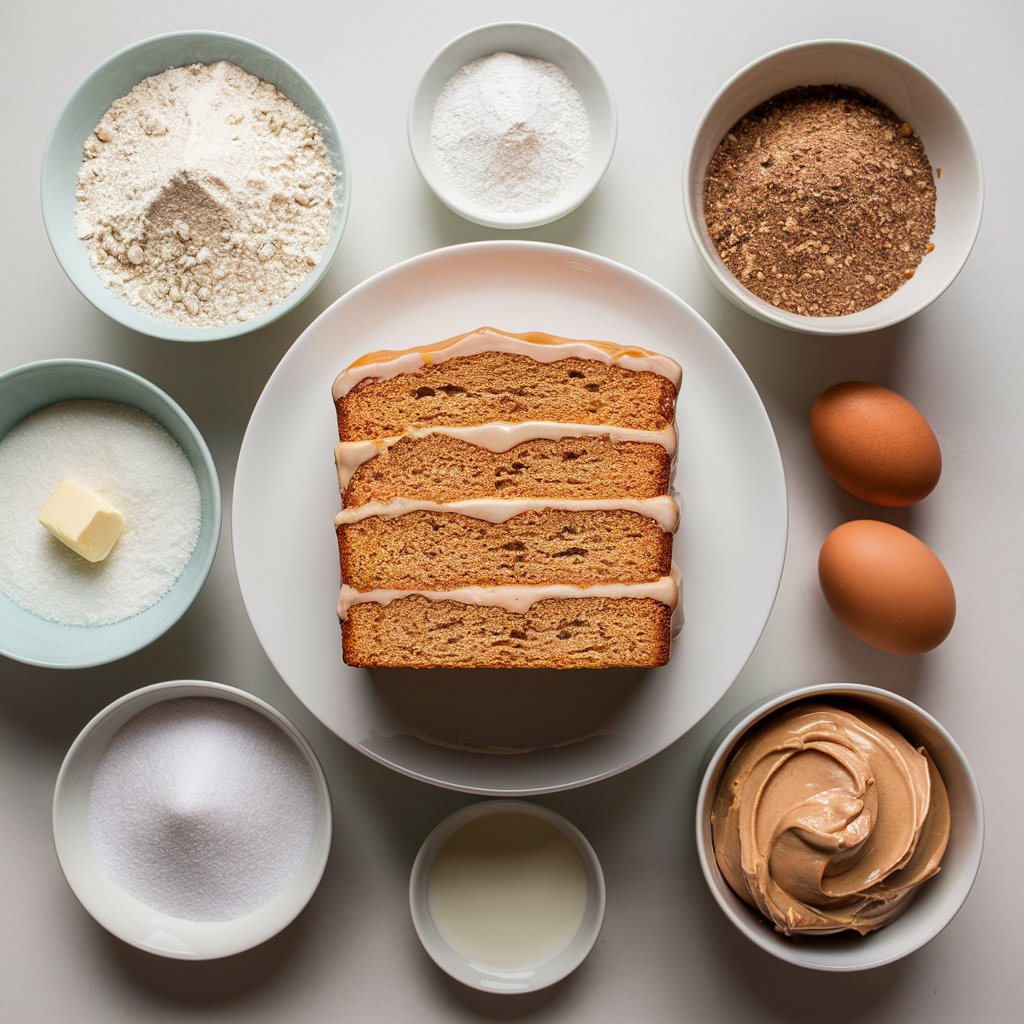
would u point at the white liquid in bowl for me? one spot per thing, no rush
(508, 890)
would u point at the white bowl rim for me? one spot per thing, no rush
(209, 467)
(172, 690)
(557, 208)
(723, 745)
(835, 325)
(166, 330)
(542, 976)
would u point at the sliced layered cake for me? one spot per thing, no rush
(506, 504)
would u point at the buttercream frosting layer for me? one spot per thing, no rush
(662, 509)
(519, 598)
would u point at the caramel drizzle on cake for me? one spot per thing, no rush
(462, 489)
(391, 363)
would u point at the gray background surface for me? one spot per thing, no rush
(666, 952)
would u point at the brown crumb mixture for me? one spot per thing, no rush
(821, 201)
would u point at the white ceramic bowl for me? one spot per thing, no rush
(35, 641)
(115, 78)
(529, 41)
(912, 95)
(124, 915)
(939, 898)
(486, 977)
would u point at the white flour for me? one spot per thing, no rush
(205, 196)
(510, 133)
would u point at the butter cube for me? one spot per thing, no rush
(81, 519)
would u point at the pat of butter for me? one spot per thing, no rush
(83, 520)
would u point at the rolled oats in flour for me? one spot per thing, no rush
(205, 196)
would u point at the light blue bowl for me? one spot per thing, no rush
(115, 78)
(35, 641)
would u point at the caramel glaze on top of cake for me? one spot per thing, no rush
(506, 503)
(391, 362)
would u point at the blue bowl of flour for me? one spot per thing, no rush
(115, 78)
(29, 638)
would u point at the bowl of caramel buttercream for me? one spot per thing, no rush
(831, 812)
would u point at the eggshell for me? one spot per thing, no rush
(875, 444)
(886, 587)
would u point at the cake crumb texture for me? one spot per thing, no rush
(442, 468)
(442, 550)
(416, 632)
(508, 388)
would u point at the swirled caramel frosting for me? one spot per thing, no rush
(826, 819)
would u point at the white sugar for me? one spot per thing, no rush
(202, 809)
(128, 458)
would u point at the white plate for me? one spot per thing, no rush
(509, 733)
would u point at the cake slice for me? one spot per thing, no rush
(506, 504)
(553, 460)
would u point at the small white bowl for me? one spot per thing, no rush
(127, 917)
(528, 40)
(486, 977)
(116, 77)
(939, 898)
(912, 95)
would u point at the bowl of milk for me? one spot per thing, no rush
(507, 896)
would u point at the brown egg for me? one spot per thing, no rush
(886, 587)
(875, 444)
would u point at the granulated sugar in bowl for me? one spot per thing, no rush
(118, 436)
(512, 125)
(195, 186)
(117, 450)
(192, 820)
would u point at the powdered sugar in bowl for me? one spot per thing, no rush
(206, 217)
(512, 125)
(192, 820)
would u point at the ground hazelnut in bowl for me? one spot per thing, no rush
(832, 187)
(839, 827)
